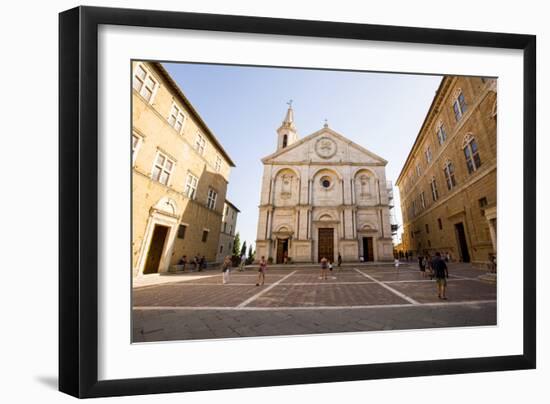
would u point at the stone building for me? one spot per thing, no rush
(180, 174)
(323, 195)
(227, 231)
(449, 181)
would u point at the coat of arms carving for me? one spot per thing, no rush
(325, 147)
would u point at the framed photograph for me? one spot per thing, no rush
(250, 201)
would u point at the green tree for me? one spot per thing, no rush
(251, 254)
(237, 244)
(243, 249)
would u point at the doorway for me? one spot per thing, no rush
(326, 244)
(156, 248)
(282, 250)
(462, 244)
(368, 250)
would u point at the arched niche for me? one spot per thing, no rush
(287, 187)
(326, 187)
(365, 186)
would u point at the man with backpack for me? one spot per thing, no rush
(441, 273)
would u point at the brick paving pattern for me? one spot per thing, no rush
(296, 301)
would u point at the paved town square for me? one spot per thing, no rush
(295, 301)
(362, 177)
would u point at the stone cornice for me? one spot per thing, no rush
(196, 116)
(323, 163)
(179, 136)
(339, 206)
(433, 113)
(324, 130)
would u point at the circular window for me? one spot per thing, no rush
(325, 182)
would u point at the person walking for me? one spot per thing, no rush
(324, 266)
(339, 261)
(429, 269)
(422, 265)
(226, 267)
(396, 263)
(441, 274)
(242, 263)
(261, 271)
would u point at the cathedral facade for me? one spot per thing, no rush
(321, 196)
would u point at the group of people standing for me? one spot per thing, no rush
(326, 266)
(408, 256)
(198, 262)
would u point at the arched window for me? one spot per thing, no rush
(459, 105)
(471, 153)
(285, 140)
(441, 134)
(449, 171)
(433, 187)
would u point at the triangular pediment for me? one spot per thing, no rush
(325, 145)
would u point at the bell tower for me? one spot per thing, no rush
(286, 134)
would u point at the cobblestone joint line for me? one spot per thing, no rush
(252, 298)
(297, 308)
(395, 292)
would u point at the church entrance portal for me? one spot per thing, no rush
(282, 250)
(368, 253)
(326, 244)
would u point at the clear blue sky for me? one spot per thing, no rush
(244, 106)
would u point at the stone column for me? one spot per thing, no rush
(270, 223)
(310, 223)
(297, 223)
(272, 196)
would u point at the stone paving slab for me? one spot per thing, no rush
(397, 276)
(326, 295)
(457, 290)
(193, 295)
(313, 278)
(239, 278)
(171, 325)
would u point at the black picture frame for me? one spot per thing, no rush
(78, 201)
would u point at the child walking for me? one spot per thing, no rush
(225, 269)
(261, 271)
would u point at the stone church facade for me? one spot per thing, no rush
(323, 195)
